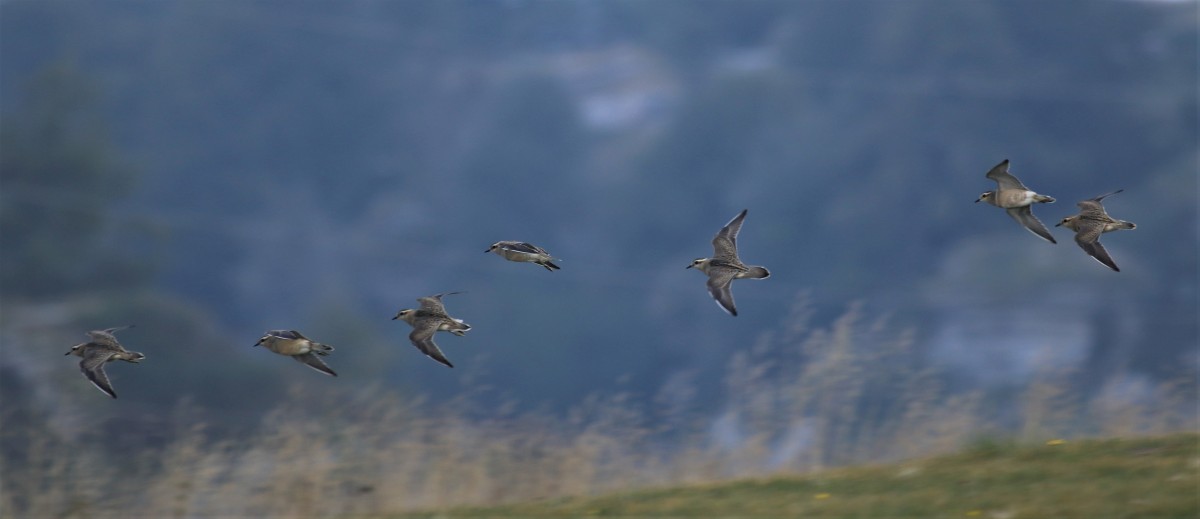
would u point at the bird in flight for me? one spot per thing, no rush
(725, 266)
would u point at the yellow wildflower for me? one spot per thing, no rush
(822, 495)
(1057, 441)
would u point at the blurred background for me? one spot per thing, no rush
(211, 170)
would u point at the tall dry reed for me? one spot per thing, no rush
(797, 399)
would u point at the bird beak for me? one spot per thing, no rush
(688, 267)
(487, 251)
(69, 352)
(978, 199)
(1059, 224)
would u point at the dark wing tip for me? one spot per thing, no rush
(1097, 251)
(1001, 168)
(100, 380)
(1106, 195)
(723, 296)
(314, 362)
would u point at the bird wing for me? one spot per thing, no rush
(520, 246)
(422, 338)
(1088, 238)
(106, 337)
(433, 304)
(1024, 216)
(1093, 209)
(290, 335)
(92, 367)
(725, 242)
(719, 281)
(314, 362)
(1003, 178)
(272, 336)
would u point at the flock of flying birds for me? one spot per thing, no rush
(721, 269)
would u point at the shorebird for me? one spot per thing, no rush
(102, 349)
(295, 345)
(1016, 199)
(1090, 223)
(725, 266)
(429, 319)
(524, 252)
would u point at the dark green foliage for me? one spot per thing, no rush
(60, 178)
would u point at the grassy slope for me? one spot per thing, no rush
(1144, 477)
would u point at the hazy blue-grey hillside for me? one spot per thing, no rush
(210, 170)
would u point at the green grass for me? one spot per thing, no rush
(1142, 477)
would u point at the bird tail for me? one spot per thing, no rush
(321, 349)
(550, 265)
(458, 327)
(757, 273)
(1043, 199)
(1122, 224)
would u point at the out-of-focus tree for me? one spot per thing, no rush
(344, 155)
(59, 180)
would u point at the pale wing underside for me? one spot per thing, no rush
(725, 242)
(1024, 216)
(422, 338)
(314, 362)
(719, 286)
(92, 367)
(1088, 238)
(1004, 179)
